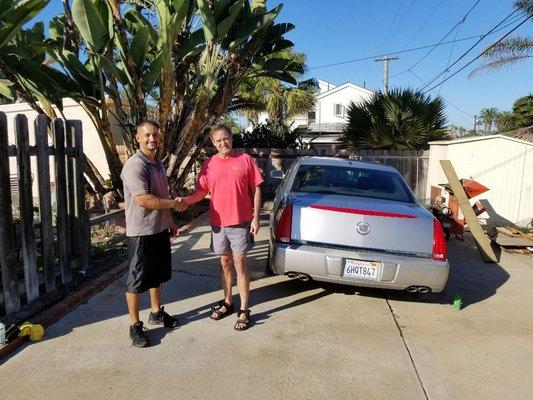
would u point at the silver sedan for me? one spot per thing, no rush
(355, 223)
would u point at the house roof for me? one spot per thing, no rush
(341, 87)
(521, 134)
(478, 138)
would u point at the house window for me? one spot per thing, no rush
(311, 116)
(339, 110)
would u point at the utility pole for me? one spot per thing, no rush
(386, 60)
(475, 124)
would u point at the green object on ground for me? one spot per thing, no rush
(457, 302)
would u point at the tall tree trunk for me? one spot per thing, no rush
(108, 144)
(94, 176)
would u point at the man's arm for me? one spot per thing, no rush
(254, 228)
(151, 202)
(195, 197)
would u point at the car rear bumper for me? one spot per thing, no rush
(326, 264)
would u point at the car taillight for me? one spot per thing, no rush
(283, 229)
(439, 242)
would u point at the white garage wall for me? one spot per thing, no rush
(503, 164)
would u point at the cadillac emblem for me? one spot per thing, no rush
(362, 228)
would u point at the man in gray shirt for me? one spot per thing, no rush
(149, 226)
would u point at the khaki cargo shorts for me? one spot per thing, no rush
(235, 239)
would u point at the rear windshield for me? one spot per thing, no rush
(351, 182)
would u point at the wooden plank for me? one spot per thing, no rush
(483, 242)
(84, 234)
(512, 241)
(61, 200)
(106, 217)
(29, 261)
(7, 237)
(45, 203)
(72, 220)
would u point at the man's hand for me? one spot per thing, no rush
(181, 204)
(254, 226)
(174, 231)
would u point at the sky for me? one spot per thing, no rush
(333, 31)
(336, 31)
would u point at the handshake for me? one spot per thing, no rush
(180, 204)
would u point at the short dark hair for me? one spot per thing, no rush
(220, 127)
(144, 123)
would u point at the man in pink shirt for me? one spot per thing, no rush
(232, 178)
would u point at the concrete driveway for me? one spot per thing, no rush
(309, 340)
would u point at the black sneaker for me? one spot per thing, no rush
(138, 336)
(162, 318)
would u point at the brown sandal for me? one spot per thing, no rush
(246, 322)
(217, 314)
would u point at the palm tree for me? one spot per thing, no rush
(280, 102)
(523, 111)
(510, 50)
(505, 121)
(186, 58)
(398, 120)
(488, 117)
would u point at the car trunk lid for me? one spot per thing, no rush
(361, 222)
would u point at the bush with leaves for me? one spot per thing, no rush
(271, 134)
(402, 119)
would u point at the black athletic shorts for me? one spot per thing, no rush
(149, 261)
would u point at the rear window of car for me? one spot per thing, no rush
(351, 182)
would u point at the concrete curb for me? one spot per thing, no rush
(54, 313)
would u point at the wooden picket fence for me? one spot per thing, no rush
(59, 234)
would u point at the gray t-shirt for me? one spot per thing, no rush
(142, 176)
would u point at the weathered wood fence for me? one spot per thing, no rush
(412, 164)
(56, 239)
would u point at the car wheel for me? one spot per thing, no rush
(270, 268)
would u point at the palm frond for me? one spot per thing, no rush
(498, 64)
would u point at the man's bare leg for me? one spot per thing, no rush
(155, 299)
(226, 276)
(133, 306)
(243, 284)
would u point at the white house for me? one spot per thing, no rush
(503, 164)
(322, 127)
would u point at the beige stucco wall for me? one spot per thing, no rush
(91, 142)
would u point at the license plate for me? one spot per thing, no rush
(361, 269)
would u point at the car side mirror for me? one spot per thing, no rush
(276, 174)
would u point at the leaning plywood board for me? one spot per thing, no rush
(483, 242)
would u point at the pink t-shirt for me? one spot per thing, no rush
(231, 182)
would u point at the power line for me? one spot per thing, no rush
(371, 69)
(400, 52)
(424, 23)
(400, 24)
(451, 52)
(443, 98)
(443, 38)
(473, 46)
(475, 58)
(511, 22)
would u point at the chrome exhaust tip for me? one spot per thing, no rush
(412, 289)
(423, 289)
(292, 275)
(304, 278)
